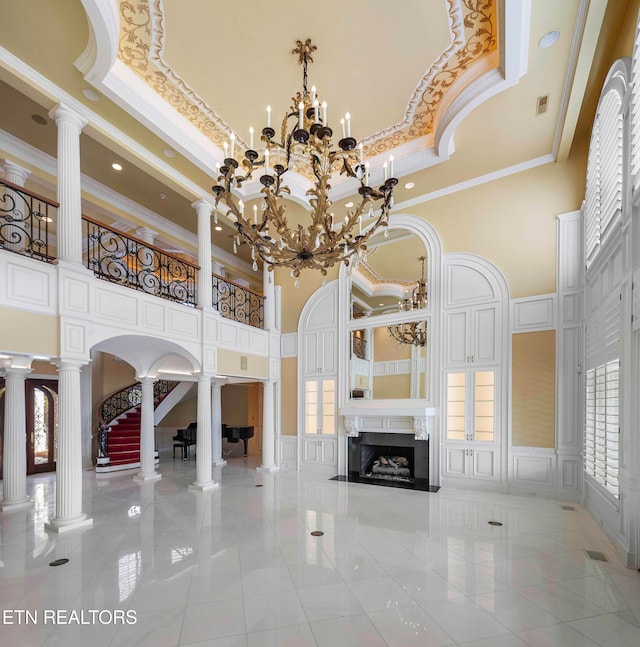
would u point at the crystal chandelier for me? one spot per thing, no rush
(304, 144)
(413, 332)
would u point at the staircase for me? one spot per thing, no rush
(122, 442)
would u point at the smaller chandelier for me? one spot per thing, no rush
(304, 144)
(413, 332)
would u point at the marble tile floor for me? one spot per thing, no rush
(237, 567)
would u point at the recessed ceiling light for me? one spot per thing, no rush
(169, 152)
(381, 304)
(163, 196)
(218, 228)
(116, 167)
(409, 185)
(39, 119)
(348, 205)
(549, 39)
(90, 94)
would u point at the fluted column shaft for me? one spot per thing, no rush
(268, 429)
(204, 210)
(204, 470)
(70, 125)
(14, 456)
(147, 433)
(69, 461)
(216, 423)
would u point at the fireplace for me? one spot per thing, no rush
(408, 467)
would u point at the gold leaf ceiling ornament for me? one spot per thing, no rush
(472, 52)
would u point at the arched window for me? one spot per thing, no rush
(603, 200)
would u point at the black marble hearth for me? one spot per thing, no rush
(364, 449)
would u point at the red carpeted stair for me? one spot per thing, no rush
(124, 439)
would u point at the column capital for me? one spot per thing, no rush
(147, 235)
(203, 204)
(16, 370)
(14, 172)
(63, 113)
(69, 364)
(145, 379)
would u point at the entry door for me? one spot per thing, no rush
(319, 444)
(42, 425)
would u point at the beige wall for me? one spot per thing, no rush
(385, 348)
(182, 414)
(28, 333)
(230, 363)
(387, 387)
(533, 389)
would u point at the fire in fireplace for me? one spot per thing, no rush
(387, 463)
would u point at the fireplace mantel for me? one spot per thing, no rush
(390, 416)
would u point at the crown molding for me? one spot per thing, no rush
(476, 181)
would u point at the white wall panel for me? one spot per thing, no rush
(75, 294)
(116, 307)
(289, 345)
(30, 287)
(152, 316)
(183, 323)
(533, 313)
(533, 469)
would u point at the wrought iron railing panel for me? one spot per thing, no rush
(359, 346)
(116, 257)
(25, 219)
(234, 302)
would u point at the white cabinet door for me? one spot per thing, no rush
(455, 463)
(320, 352)
(457, 334)
(483, 463)
(471, 336)
(484, 335)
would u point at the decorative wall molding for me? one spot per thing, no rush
(532, 314)
(289, 345)
(288, 452)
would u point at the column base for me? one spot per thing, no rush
(203, 487)
(20, 504)
(266, 469)
(146, 478)
(219, 462)
(61, 526)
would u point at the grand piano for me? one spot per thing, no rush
(187, 437)
(237, 434)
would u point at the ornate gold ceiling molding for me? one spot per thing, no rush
(472, 52)
(141, 48)
(367, 272)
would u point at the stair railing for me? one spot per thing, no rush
(122, 401)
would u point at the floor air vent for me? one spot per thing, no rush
(568, 507)
(596, 555)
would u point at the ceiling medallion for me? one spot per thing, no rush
(305, 144)
(412, 332)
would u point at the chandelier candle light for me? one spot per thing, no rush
(305, 144)
(412, 332)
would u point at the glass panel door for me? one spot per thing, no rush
(484, 406)
(456, 406)
(42, 425)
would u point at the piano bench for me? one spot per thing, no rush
(183, 449)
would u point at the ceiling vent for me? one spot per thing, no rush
(542, 104)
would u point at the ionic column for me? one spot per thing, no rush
(269, 291)
(268, 430)
(70, 125)
(218, 268)
(204, 210)
(147, 434)
(69, 515)
(14, 172)
(204, 480)
(14, 236)
(216, 424)
(14, 456)
(146, 235)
